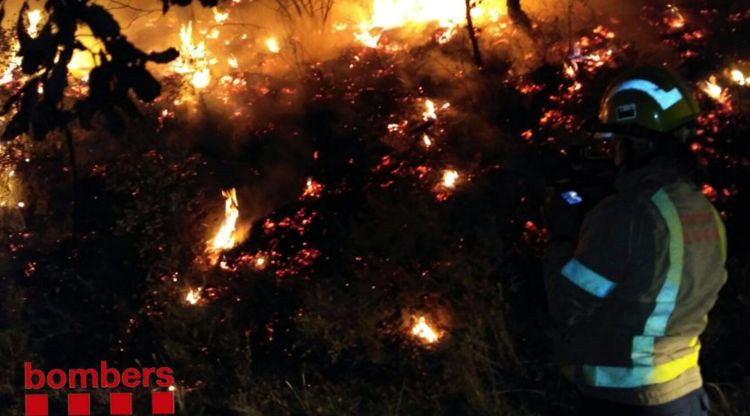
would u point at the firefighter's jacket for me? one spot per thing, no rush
(631, 297)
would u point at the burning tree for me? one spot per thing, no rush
(349, 230)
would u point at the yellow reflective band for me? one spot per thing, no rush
(632, 377)
(666, 300)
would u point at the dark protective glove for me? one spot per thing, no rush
(563, 220)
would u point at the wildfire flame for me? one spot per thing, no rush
(225, 238)
(366, 37)
(739, 77)
(450, 177)
(425, 332)
(715, 91)
(711, 88)
(390, 14)
(260, 262)
(313, 189)
(193, 296)
(273, 45)
(193, 60)
(429, 112)
(674, 17)
(220, 17)
(35, 20)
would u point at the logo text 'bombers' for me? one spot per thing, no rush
(79, 403)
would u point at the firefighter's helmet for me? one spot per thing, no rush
(647, 102)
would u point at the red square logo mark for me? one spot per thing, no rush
(120, 404)
(79, 404)
(162, 403)
(36, 405)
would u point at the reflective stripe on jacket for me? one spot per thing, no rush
(634, 296)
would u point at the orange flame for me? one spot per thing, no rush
(450, 177)
(193, 61)
(712, 88)
(739, 77)
(193, 296)
(35, 20)
(260, 262)
(220, 17)
(226, 237)
(425, 332)
(273, 45)
(390, 14)
(674, 18)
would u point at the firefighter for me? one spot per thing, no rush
(630, 289)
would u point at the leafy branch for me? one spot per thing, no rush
(120, 77)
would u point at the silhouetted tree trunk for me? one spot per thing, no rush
(518, 16)
(473, 36)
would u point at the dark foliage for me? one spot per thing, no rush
(119, 77)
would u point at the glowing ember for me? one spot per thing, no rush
(674, 18)
(711, 88)
(193, 296)
(709, 191)
(570, 70)
(193, 60)
(429, 112)
(273, 45)
(313, 189)
(220, 17)
(715, 91)
(426, 141)
(260, 262)
(232, 62)
(225, 238)
(425, 332)
(35, 20)
(739, 77)
(450, 177)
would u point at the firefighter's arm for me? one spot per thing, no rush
(580, 275)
